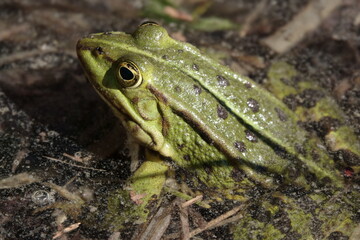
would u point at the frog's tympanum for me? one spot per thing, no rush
(229, 133)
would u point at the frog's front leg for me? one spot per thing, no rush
(144, 187)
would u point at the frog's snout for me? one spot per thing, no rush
(82, 46)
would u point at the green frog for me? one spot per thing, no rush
(231, 134)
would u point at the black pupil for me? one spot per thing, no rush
(126, 74)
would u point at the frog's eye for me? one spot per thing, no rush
(128, 74)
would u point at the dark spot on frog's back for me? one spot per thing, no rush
(281, 115)
(300, 149)
(222, 82)
(293, 172)
(250, 136)
(157, 94)
(240, 146)
(197, 90)
(221, 112)
(237, 175)
(253, 105)
(186, 157)
(248, 85)
(178, 89)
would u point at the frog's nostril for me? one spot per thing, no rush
(99, 50)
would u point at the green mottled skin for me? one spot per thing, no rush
(209, 120)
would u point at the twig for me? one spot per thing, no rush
(192, 201)
(66, 230)
(252, 17)
(157, 226)
(185, 196)
(18, 180)
(184, 219)
(12, 30)
(73, 165)
(304, 22)
(216, 221)
(64, 192)
(228, 220)
(74, 158)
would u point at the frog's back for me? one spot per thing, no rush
(236, 107)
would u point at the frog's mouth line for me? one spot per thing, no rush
(120, 112)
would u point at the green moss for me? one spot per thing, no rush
(300, 222)
(248, 228)
(278, 74)
(343, 138)
(335, 217)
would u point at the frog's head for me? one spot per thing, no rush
(120, 68)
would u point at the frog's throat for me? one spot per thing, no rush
(142, 132)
